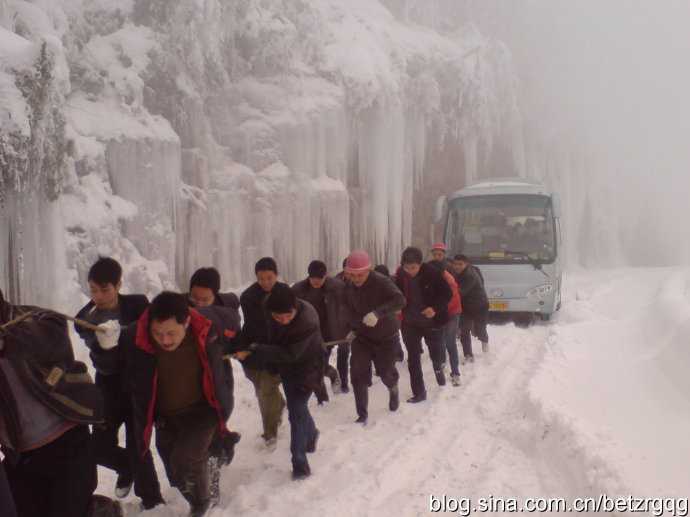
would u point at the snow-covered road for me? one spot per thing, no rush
(596, 401)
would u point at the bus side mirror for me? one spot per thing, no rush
(556, 204)
(440, 209)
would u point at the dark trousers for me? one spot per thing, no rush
(302, 426)
(450, 336)
(364, 352)
(6, 501)
(56, 480)
(343, 355)
(412, 337)
(125, 461)
(399, 352)
(469, 321)
(183, 443)
(342, 370)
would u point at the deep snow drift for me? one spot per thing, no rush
(594, 402)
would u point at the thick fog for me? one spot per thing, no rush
(606, 84)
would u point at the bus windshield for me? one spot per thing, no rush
(505, 228)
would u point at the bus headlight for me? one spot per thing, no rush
(540, 291)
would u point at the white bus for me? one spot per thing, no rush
(510, 229)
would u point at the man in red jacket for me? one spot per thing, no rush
(179, 383)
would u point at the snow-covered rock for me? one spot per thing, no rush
(233, 129)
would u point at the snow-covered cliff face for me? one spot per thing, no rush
(173, 135)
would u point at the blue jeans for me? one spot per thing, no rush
(302, 427)
(451, 345)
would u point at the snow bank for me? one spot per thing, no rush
(616, 371)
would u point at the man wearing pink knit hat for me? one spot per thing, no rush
(373, 301)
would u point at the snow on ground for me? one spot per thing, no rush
(594, 402)
(616, 369)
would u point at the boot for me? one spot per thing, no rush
(417, 398)
(440, 377)
(361, 402)
(455, 379)
(214, 475)
(149, 503)
(394, 400)
(102, 506)
(300, 472)
(334, 377)
(311, 445)
(229, 443)
(321, 393)
(199, 510)
(123, 485)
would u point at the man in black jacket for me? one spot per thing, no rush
(204, 290)
(107, 304)
(47, 402)
(475, 305)
(426, 312)
(178, 381)
(223, 310)
(295, 347)
(326, 295)
(265, 379)
(372, 301)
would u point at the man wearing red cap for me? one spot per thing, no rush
(373, 301)
(438, 256)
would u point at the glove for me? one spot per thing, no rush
(350, 336)
(111, 334)
(371, 319)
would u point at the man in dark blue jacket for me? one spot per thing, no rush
(107, 304)
(295, 347)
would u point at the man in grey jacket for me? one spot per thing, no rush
(326, 295)
(372, 301)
